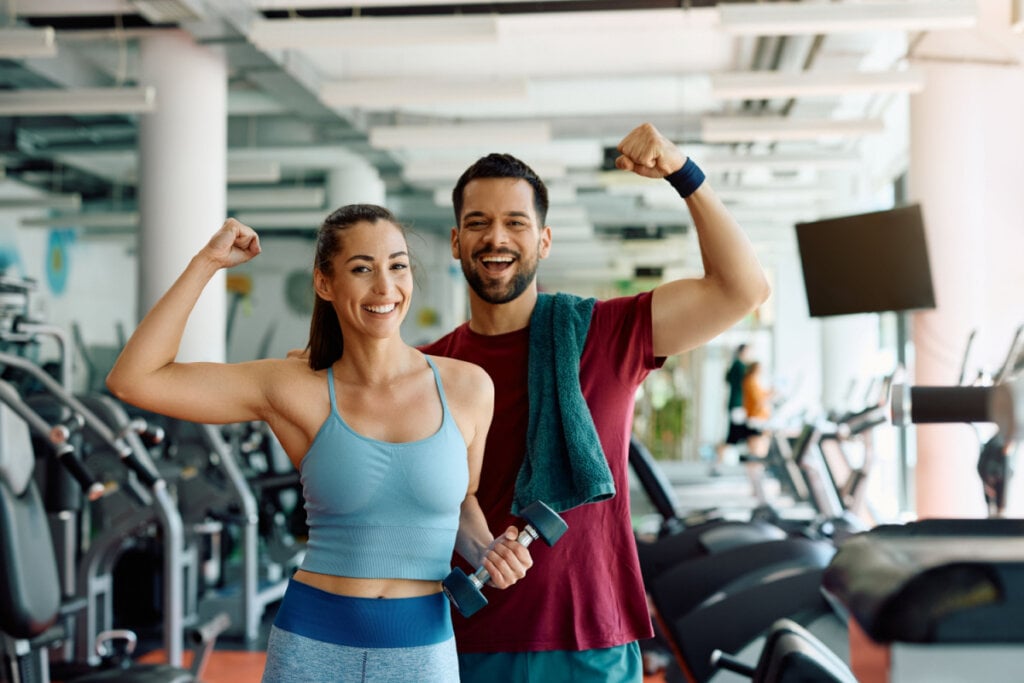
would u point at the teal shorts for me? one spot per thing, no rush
(620, 664)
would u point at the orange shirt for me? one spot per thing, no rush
(755, 399)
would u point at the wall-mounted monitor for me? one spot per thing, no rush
(866, 263)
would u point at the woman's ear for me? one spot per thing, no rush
(321, 285)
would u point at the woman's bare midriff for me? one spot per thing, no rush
(368, 588)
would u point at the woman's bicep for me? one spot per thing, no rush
(212, 393)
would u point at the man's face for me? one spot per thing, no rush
(498, 240)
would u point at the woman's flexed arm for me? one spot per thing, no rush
(146, 374)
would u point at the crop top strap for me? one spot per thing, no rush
(437, 381)
(440, 387)
(330, 389)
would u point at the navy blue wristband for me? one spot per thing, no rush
(687, 179)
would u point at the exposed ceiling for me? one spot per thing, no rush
(791, 123)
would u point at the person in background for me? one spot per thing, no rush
(737, 432)
(565, 372)
(758, 407)
(388, 500)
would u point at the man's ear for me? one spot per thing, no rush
(455, 243)
(545, 242)
(321, 285)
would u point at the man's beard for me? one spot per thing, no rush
(491, 292)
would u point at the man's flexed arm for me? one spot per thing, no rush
(689, 312)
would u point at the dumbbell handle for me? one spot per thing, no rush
(527, 536)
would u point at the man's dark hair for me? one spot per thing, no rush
(502, 166)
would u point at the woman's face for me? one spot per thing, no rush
(371, 288)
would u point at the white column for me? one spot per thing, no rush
(849, 352)
(354, 183)
(965, 170)
(182, 179)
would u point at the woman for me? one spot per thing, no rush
(389, 444)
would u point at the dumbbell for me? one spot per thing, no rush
(465, 592)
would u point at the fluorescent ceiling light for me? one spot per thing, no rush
(793, 18)
(825, 160)
(167, 11)
(243, 171)
(283, 220)
(253, 103)
(386, 94)
(737, 198)
(771, 84)
(333, 4)
(372, 32)
(778, 128)
(22, 42)
(277, 198)
(60, 202)
(93, 219)
(448, 172)
(445, 136)
(663, 195)
(57, 101)
(63, 8)
(768, 196)
(782, 161)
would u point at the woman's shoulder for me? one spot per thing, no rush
(286, 374)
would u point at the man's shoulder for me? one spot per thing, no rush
(443, 346)
(621, 306)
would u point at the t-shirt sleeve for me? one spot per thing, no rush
(621, 327)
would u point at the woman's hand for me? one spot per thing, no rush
(233, 244)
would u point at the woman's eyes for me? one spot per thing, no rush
(367, 269)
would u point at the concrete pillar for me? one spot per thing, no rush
(182, 179)
(849, 349)
(354, 183)
(965, 170)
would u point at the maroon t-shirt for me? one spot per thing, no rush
(586, 592)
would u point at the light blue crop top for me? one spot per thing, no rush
(383, 510)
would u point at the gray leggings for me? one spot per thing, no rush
(294, 658)
(319, 637)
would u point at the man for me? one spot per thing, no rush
(580, 611)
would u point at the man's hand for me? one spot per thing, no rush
(647, 152)
(507, 560)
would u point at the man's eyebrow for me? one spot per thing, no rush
(476, 214)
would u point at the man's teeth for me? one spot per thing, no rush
(380, 309)
(497, 259)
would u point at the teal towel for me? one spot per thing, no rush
(565, 465)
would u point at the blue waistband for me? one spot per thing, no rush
(364, 622)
